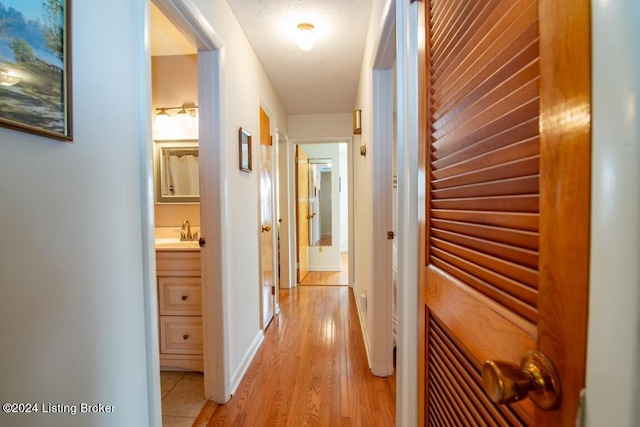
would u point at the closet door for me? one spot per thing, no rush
(505, 122)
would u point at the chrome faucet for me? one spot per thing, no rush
(186, 226)
(185, 234)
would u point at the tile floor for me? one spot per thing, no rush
(182, 397)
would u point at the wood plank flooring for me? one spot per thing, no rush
(311, 370)
(330, 278)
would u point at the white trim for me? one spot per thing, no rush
(408, 249)
(362, 315)
(613, 340)
(191, 23)
(382, 149)
(274, 160)
(322, 140)
(287, 213)
(324, 267)
(244, 364)
(215, 316)
(381, 303)
(150, 292)
(385, 47)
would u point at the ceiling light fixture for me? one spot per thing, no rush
(305, 36)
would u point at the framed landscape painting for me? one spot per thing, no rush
(35, 67)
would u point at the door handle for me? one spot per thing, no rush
(266, 228)
(202, 242)
(536, 377)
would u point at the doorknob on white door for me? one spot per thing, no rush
(536, 377)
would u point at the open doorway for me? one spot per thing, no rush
(177, 212)
(210, 338)
(322, 195)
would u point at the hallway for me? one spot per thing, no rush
(330, 278)
(310, 370)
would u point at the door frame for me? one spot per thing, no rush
(293, 243)
(284, 213)
(192, 23)
(274, 201)
(407, 47)
(382, 147)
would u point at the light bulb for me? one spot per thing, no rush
(305, 36)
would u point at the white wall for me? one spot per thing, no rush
(246, 88)
(71, 257)
(613, 364)
(320, 125)
(363, 177)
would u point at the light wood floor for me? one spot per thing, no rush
(330, 278)
(311, 370)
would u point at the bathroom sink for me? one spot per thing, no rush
(176, 244)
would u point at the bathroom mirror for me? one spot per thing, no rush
(320, 224)
(178, 172)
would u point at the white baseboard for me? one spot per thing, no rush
(238, 375)
(324, 267)
(363, 326)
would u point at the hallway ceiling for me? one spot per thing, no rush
(324, 79)
(320, 81)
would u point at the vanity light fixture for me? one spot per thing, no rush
(186, 108)
(176, 120)
(162, 118)
(305, 36)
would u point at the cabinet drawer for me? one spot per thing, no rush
(180, 296)
(180, 335)
(178, 263)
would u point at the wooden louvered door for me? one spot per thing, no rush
(505, 141)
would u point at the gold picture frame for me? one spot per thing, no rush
(35, 71)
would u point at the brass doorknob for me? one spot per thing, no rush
(536, 377)
(266, 228)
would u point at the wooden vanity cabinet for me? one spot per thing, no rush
(180, 309)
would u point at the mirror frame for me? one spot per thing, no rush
(320, 161)
(157, 168)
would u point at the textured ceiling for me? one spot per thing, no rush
(324, 79)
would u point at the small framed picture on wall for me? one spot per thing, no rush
(245, 150)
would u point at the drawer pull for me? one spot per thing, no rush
(184, 297)
(185, 337)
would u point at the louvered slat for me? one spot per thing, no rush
(494, 43)
(507, 220)
(455, 390)
(518, 150)
(522, 239)
(518, 203)
(500, 187)
(487, 148)
(509, 253)
(484, 147)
